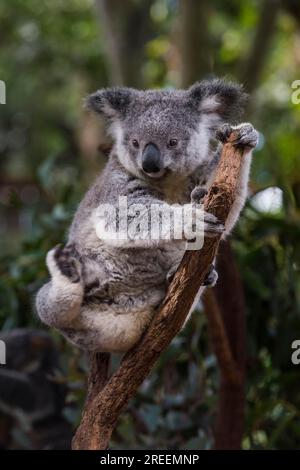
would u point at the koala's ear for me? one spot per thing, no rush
(218, 96)
(111, 103)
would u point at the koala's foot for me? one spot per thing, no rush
(59, 301)
(211, 277)
(247, 136)
(67, 262)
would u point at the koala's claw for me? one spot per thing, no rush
(247, 136)
(67, 261)
(198, 194)
(211, 277)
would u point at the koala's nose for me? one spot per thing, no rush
(151, 162)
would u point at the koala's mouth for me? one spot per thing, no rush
(157, 175)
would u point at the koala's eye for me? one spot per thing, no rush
(135, 143)
(173, 142)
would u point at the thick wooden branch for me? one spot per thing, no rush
(98, 376)
(102, 412)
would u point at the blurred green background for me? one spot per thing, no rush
(52, 54)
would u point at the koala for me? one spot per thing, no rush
(104, 290)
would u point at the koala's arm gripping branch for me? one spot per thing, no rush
(103, 409)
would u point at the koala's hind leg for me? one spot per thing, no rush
(59, 301)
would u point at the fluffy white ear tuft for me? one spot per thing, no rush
(209, 104)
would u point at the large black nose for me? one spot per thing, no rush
(151, 161)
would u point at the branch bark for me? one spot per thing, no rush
(101, 413)
(98, 376)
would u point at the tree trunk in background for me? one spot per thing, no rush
(229, 292)
(195, 44)
(127, 28)
(255, 63)
(293, 7)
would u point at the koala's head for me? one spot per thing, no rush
(162, 132)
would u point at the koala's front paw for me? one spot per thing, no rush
(199, 223)
(198, 194)
(212, 225)
(64, 260)
(211, 277)
(247, 136)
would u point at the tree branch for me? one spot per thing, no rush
(101, 413)
(98, 376)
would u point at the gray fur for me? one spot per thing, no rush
(102, 294)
